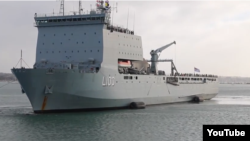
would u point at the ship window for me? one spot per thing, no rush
(43, 43)
(84, 33)
(182, 78)
(71, 33)
(163, 78)
(40, 52)
(59, 51)
(53, 43)
(130, 77)
(97, 50)
(78, 51)
(64, 20)
(125, 77)
(54, 34)
(99, 41)
(65, 51)
(136, 77)
(74, 19)
(84, 50)
(72, 51)
(84, 19)
(64, 34)
(90, 50)
(61, 43)
(79, 19)
(95, 32)
(76, 42)
(82, 42)
(44, 35)
(52, 51)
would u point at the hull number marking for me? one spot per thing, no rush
(108, 81)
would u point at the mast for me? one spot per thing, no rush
(80, 7)
(21, 59)
(62, 8)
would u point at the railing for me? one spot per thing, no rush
(65, 14)
(195, 75)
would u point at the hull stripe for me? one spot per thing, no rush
(44, 102)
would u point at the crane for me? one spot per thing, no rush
(154, 59)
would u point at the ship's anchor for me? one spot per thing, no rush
(48, 89)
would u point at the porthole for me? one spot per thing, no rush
(90, 50)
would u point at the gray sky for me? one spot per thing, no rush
(212, 36)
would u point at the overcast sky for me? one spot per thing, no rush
(211, 36)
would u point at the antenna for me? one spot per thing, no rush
(113, 13)
(134, 23)
(127, 18)
(80, 7)
(62, 7)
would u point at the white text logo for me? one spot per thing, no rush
(225, 132)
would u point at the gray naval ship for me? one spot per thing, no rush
(84, 62)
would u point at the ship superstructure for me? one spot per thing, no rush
(84, 62)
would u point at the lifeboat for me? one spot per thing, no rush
(126, 64)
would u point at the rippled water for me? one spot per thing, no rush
(171, 122)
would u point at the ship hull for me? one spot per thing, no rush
(75, 90)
